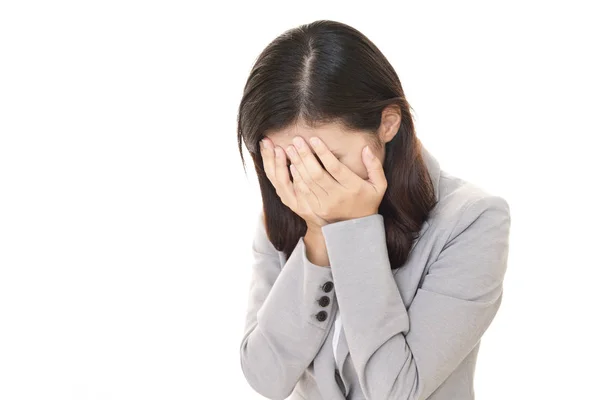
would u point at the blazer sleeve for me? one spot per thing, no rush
(282, 334)
(407, 354)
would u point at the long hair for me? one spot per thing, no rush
(328, 72)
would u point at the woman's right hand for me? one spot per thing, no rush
(276, 169)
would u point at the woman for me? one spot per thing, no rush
(376, 272)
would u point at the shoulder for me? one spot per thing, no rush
(468, 242)
(461, 203)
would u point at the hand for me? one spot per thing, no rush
(337, 193)
(275, 165)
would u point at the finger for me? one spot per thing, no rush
(302, 190)
(316, 174)
(283, 184)
(374, 169)
(303, 172)
(268, 157)
(342, 174)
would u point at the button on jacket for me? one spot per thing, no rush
(406, 334)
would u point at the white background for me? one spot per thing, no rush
(126, 218)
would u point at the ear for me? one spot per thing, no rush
(391, 117)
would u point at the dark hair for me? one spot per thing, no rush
(328, 72)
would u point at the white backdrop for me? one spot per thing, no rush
(126, 219)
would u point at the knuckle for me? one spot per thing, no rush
(319, 175)
(304, 189)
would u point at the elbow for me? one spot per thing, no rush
(264, 378)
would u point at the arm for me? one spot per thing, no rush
(407, 354)
(282, 334)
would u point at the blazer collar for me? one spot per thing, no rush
(433, 167)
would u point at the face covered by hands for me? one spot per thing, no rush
(323, 195)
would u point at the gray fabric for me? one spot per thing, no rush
(411, 333)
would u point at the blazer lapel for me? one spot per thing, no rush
(342, 352)
(324, 371)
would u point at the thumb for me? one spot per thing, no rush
(374, 169)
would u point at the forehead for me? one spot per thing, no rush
(331, 134)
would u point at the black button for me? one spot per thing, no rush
(327, 286)
(322, 316)
(324, 301)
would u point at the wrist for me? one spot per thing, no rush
(314, 231)
(316, 248)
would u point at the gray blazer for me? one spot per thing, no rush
(407, 334)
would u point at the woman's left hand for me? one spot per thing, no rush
(336, 194)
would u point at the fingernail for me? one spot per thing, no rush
(314, 141)
(370, 153)
(291, 151)
(299, 142)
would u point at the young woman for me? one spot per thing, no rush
(375, 272)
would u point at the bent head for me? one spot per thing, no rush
(327, 79)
